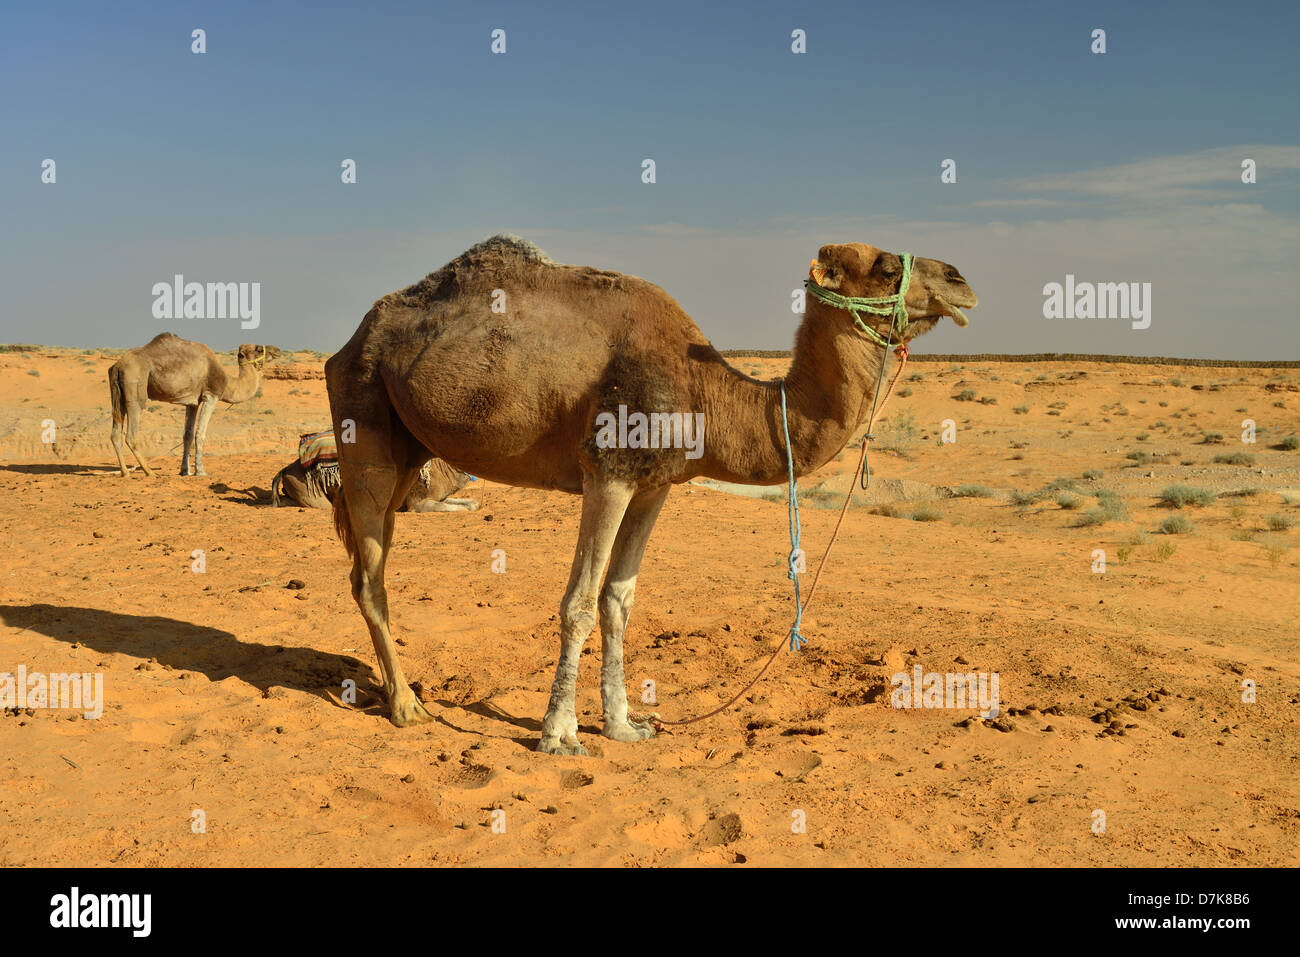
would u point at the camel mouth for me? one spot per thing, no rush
(948, 309)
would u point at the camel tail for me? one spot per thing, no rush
(276, 484)
(343, 523)
(116, 393)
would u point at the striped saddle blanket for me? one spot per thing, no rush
(317, 449)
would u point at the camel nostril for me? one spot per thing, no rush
(954, 276)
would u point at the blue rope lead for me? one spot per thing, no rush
(796, 639)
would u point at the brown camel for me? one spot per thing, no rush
(172, 369)
(527, 396)
(430, 492)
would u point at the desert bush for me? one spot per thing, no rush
(1091, 475)
(1279, 522)
(1234, 458)
(1068, 501)
(1175, 525)
(1020, 409)
(1023, 498)
(965, 395)
(1290, 443)
(1179, 496)
(973, 491)
(1165, 551)
(1061, 484)
(925, 514)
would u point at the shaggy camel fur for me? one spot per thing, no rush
(172, 369)
(430, 492)
(514, 396)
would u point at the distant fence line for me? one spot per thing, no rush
(1050, 357)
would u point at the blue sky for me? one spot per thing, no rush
(225, 166)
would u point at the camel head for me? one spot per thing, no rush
(257, 355)
(860, 271)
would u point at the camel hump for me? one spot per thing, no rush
(165, 338)
(495, 259)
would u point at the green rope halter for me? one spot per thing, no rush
(894, 306)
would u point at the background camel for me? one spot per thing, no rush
(172, 369)
(514, 397)
(430, 492)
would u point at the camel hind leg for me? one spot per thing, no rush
(132, 429)
(125, 402)
(376, 476)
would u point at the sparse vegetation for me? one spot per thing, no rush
(1279, 522)
(1180, 496)
(1165, 551)
(1290, 443)
(1175, 525)
(1020, 409)
(1023, 498)
(973, 491)
(965, 395)
(925, 514)
(1068, 501)
(1234, 458)
(1091, 475)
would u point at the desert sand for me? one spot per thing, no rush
(1121, 692)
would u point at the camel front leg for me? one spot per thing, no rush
(603, 503)
(206, 406)
(191, 416)
(615, 607)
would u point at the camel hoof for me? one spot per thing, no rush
(409, 712)
(628, 731)
(556, 746)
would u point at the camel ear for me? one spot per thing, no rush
(817, 272)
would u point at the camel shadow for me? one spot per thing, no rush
(253, 495)
(186, 646)
(485, 710)
(55, 469)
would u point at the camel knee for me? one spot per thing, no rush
(616, 602)
(578, 616)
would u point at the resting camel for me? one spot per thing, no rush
(172, 369)
(515, 397)
(430, 492)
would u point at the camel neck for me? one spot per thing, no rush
(829, 386)
(245, 386)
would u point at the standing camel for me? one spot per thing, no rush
(526, 397)
(172, 369)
